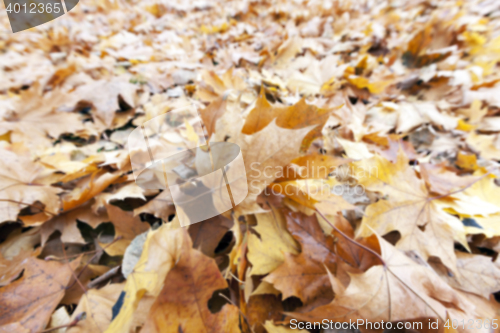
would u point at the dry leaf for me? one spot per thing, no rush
(31, 299)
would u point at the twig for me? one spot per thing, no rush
(103, 277)
(80, 316)
(87, 264)
(234, 277)
(245, 317)
(72, 271)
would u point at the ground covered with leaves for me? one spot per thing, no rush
(370, 136)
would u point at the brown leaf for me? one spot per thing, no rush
(66, 224)
(104, 94)
(477, 274)
(206, 235)
(161, 206)
(305, 275)
(409, 209)
(269, 149)
(261, 115)
(261, 308)
(20, 189)
(442, 181)
(127, 226)
(31, 299)
(182, 305)
(297, 116)
(384, 293)
(314, 194)
(35, 120)
(212, 113)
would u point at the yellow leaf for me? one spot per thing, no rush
(190, 133)
(466, 161)
(162, 249)
(271, 328)
(362, 82)
(313, 193)
(267, 252)
(5, 136)
(297, 116)
(214, 29)
(97, 305)
(463, 126)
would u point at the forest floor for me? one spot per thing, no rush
(370, 149)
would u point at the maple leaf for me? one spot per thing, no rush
(418, 217)
(382, 292)
(127, 227)
(161, 206)
(88, 187)
(34, 119)
(212, 113)
(314, 194)
(214, 86)
(14, 251)
(415, 56)
(207, 235)
(297, 116)
(66, 224)
(182, 305)
(304, 275)
(267, 252)
(311, 166)
(162, 249)
(31, 299)
(475, 268)
(104, 95)
(261, 308)
(261, 154)
(20, 188)
(97, 306)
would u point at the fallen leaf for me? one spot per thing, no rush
(104, 95)
(480, 269)
(31, 299)
(304, 275)
(35, 121)
(261, 154)
(267, 251)
(182, 305)
(21, 189)
(271, 328)
(97, 305)
(89, 187)
(212, 113)
(418, 217)
(162, 250)
(378, 293)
